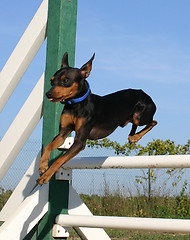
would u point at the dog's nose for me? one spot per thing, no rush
(49, 94)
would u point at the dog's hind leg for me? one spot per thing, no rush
(132, 132)
(136, 137)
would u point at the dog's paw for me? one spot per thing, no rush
(46, 176)
(40, 181)
(43, 165)
(134, 139)
(43, 169)
(43, 179)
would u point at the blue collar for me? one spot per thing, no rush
(80, 99)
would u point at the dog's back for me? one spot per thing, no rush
(118, 108)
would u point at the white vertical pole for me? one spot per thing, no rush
(23, 54)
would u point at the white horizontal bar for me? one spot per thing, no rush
(130, 223)
(23, 54)
(21, 128)
(160, 161)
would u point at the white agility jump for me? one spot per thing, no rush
(130, 223)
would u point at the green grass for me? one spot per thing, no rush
(136, 235)
(4, 196)
(116, 205)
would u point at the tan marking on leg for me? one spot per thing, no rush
(135, 138)
(57, 142)
(72, 152)
(66, 120)
(135, 118)
(78, 123)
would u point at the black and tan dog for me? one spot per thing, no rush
(92, 116)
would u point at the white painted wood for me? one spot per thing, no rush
(77, 207)
(27, 215)
(67, 144)
(21, 128)
(130, 223)
(23, 54)
(22, 190)
(59, 231)
(158, 161)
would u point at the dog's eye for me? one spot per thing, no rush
(65, 80)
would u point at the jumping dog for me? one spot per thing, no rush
(92, 116)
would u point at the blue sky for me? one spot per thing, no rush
(138, 44)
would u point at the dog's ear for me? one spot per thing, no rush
(64, 62)
(87, 67)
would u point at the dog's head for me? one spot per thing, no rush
(67, 82)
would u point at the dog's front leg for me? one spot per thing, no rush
(77, 146)
(57, 142)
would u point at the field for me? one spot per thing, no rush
(141, 206)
